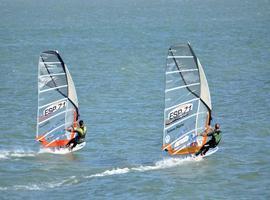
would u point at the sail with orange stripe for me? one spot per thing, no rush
(188, 106)
(57, 101)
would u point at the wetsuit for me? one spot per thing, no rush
(212, 143)
(79, 138)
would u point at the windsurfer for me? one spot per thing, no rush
(213, 142)
(80, 137)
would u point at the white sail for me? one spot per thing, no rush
(187, 102)
(57, 101)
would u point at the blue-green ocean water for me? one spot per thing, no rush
(116, 52)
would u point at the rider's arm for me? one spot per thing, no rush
(69, 129)
(206, 132)
(211, 132)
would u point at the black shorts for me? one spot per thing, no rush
(212, 143)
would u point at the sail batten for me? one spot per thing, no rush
(48, 63)
(187, 109)
(176, 88)
(55, 88)
(57, 101)
(56, 74)
(180, 57)
(185, 70)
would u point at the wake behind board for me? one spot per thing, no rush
(63, 150)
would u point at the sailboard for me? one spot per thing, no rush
(63, 150)
(57, 104)
(208, 153)
(188, 107)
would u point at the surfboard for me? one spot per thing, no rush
(210, 152)
(63, 150)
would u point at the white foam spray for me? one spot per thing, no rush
(17, 153)
(43, 186)
(162, 164)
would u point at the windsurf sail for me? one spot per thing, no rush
(187, 102)
(57, 101)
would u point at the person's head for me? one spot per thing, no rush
(81, 123)
(217, 126)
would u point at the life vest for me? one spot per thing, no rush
(217, 135)
(81, 131)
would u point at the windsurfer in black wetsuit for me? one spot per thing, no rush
(80, 137)
(213, 142)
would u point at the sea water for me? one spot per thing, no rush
(116, 53)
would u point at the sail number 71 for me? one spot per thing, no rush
(54, 108)
(180, 111)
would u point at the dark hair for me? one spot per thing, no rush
(81, 122)
(217, 126)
